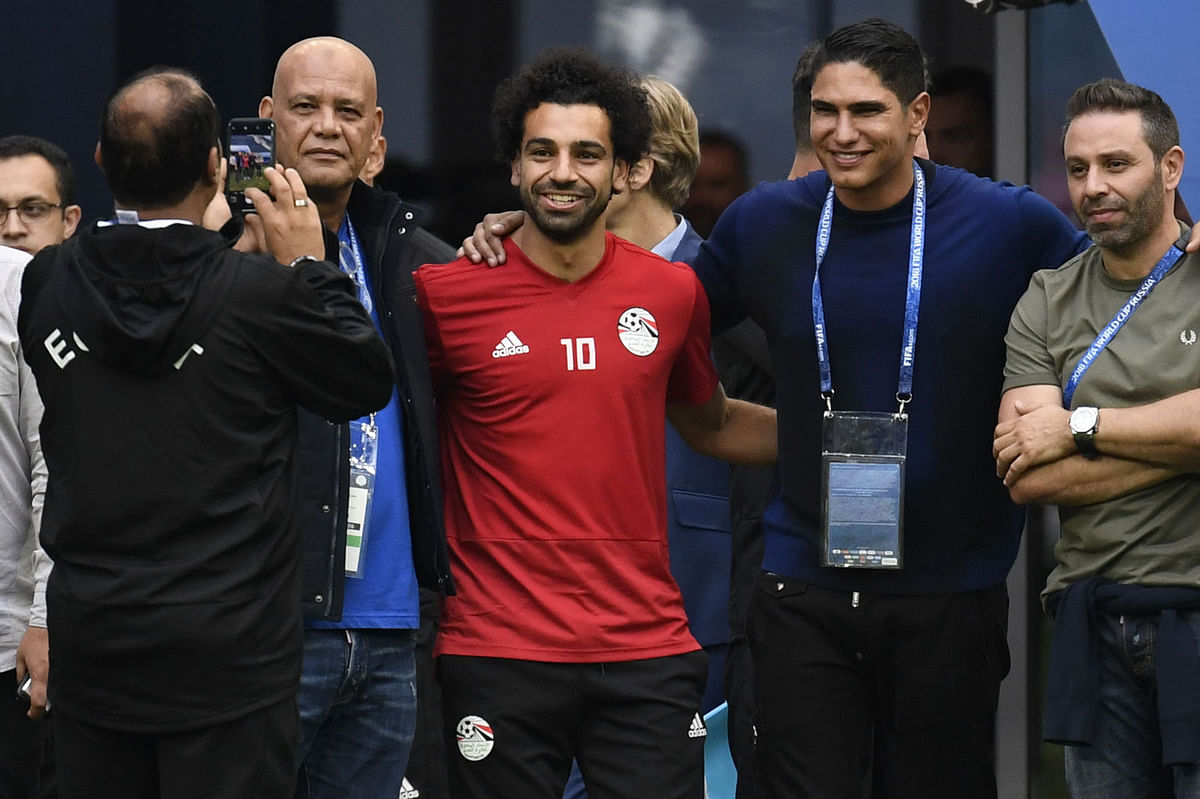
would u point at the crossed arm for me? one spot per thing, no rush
(1140, 446)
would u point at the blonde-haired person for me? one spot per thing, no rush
(674, 141)
(659, 182)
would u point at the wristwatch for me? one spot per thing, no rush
(1084, 421)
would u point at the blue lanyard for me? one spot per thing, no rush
(1112, 328)
(912, 300)
(353, 266)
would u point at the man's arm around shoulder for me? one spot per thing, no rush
(731, 430)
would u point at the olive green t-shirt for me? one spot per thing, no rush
(1149, 537)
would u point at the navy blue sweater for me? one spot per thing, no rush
(983, 241)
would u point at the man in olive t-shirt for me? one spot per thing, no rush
(1098, 417)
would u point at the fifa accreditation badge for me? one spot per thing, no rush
(638, 331)
(863, 489)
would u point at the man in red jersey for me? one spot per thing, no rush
(568, 636)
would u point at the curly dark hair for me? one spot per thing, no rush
(572, 77)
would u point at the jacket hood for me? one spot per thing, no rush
(138, 298)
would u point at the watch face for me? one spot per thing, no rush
(1083, 419)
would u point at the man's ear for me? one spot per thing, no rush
(266, 106)
(515, 178)
(918, 114)
(640, 174)
(213, 170)
(96, 157)
(71, 216)
(1172, 167)
(620, 180)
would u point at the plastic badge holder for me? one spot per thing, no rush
(863, 490)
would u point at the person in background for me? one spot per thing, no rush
(723, 176)
(37, 191)
(37, 186)
(960, 127)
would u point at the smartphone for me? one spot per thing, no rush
(23, 691)
(250, 148)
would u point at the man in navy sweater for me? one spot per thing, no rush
(911, 656)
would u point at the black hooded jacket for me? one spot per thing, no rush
(171, 368)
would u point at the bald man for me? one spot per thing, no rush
(372, 520)
(174, 630)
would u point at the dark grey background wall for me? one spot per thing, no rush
(438, 62)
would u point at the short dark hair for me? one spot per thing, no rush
(64, 175)
(882, 47)
(573, 77)
(802, 80)
(153, 159)
(1159, 127)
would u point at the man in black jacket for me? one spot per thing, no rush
(171, 367)
(372, 521)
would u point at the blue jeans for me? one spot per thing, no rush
(358, 706)
(1124, 760)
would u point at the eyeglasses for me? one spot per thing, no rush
(30, 212)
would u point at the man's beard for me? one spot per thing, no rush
(1142, 217)
(567, 226)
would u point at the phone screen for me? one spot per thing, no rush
(251, 150)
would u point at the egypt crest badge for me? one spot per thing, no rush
(638, 331)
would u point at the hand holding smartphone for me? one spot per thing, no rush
(250, 148)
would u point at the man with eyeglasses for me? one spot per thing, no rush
(37, 193)
(36, 210)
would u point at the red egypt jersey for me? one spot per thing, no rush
(551, 401)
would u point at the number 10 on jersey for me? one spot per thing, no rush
(581, 353)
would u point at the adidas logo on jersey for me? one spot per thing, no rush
(697, 730)
(407, 791)
(509, 345)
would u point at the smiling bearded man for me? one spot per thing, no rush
(554, 374)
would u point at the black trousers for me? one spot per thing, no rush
(907, 685)
(251, 756)
(20, 743)
(427, 758)
(513, 726)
